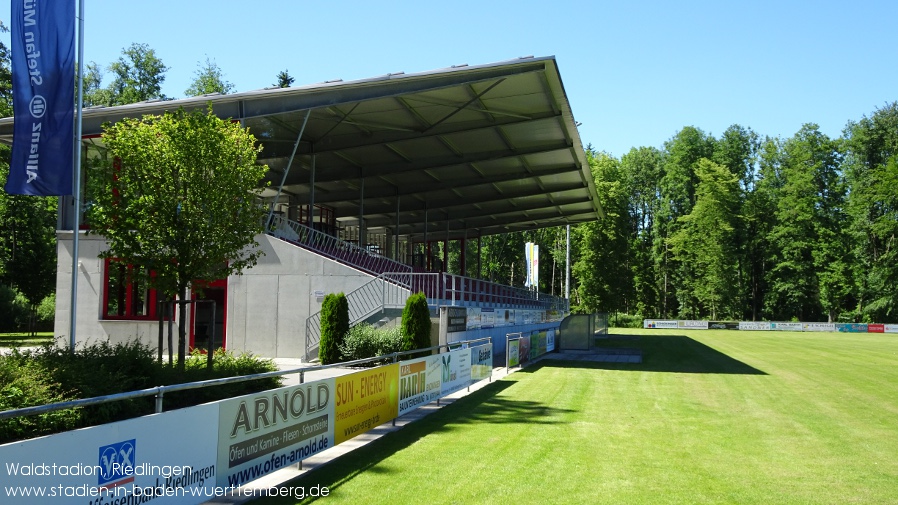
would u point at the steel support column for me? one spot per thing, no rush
(287, 170)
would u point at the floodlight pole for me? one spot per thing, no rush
(567, 269)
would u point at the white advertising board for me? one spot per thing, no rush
(891, 328)
(456, 370)
(754, 325)
(693, 325)
(164, 458)
(263, 432)
(481, 362)
(419, 382)
(786, 326)
(550, 340)
(818, 327)
(659, 324)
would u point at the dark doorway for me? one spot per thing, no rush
(202, 316)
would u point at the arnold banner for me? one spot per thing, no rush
(43, 78)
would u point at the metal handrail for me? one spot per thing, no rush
(159, 391)
(387, 290)
(333, 247)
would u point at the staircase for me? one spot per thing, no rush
(387, 292)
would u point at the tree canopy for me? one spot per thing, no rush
(208, 78)
(174, 196)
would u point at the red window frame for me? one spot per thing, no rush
(127, 300)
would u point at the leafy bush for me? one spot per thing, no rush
(24, 383)
(334, 326)
(416, 323)
(621, 320)
(46, 311)
(366, 341)
(34, 377)
(13, 310)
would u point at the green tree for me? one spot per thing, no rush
(284, 79)
(334, 327)
(601, 267)
(707, 241)
(178, 200)
(641, 169)
(416, 323)
(808, 203)
(872, 174)
(92, 91)
(207, 79)
(138, 75)
(677, 196)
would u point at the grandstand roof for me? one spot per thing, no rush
(457, 152)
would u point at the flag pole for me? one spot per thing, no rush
(76, 192)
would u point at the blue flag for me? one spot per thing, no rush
(43, 78)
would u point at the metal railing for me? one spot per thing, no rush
(459, 290)
(334, 248)
(159, 391)
(388, 290)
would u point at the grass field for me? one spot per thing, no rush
(25, 339)
(708, 417)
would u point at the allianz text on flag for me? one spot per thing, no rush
(43, 74)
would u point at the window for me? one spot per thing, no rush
(125, 295)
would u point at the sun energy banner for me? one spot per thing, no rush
(43, 75)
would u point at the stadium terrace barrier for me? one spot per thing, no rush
(220, 446)
(769, 326)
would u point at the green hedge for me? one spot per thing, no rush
(366, 341)
(416, 323)
(334, 326)
(53, 374)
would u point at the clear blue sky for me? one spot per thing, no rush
(635, 71)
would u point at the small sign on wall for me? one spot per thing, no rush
(319, 295)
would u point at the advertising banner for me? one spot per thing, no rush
(659, 324)
(365, 400)
(524, 349)
(456, 319)
(890, 328)
(456, 370)
(876, 328)
(505, 317)
(818, 327)
(474, 319)
(693, 325)
(538, 344)
(786, 326)
(513, 357)
(42, 54)
(165, 458)
(723, 325)
(263, 432)
(487, 317)
(481, 362)
(754, 325)
(851, 327)
(419, 382)
(550, 340)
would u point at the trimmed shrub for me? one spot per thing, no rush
(334, 326)
(366, 341)
(416, 323)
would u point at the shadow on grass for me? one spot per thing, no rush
(667, 353)
(482, 406)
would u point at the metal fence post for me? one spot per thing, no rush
(159, 395)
